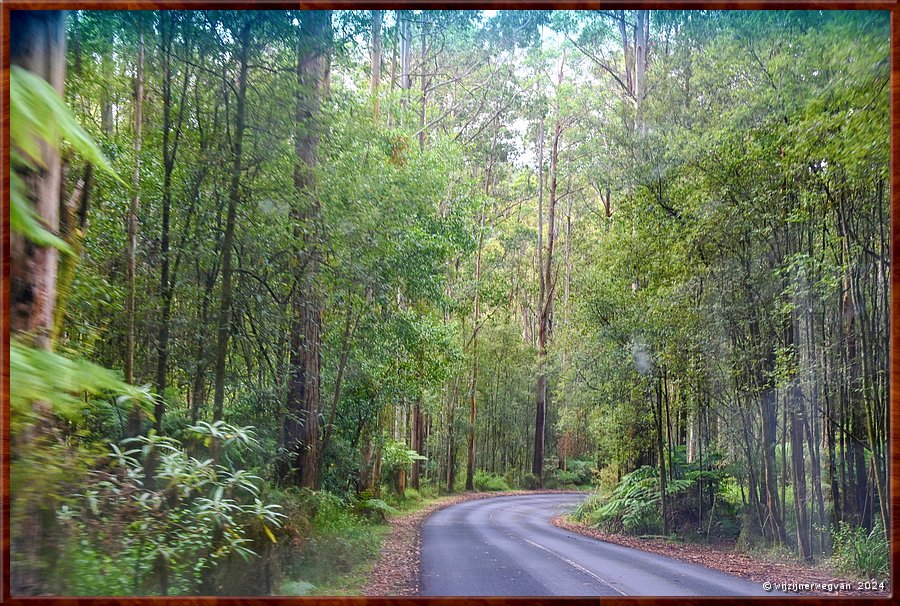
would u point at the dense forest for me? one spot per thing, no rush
(273, 273)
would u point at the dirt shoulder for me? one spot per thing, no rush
(737, 564)
(397, 571)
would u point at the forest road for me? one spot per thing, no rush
(506, 546)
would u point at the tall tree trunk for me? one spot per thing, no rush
(541, 388)
(394, 43)
(162, 339)
(476, 313)
(171, 136)
(661, 453)
(415, 469)
(768, 410)
(473, 387)
(451, 437)
(795, 401)
(349, 329)
(301, 426)
(545, 308)
(856, 416)
(132, 215)
(234, 196)
(627, 52)
(135, 414)
(33, 268)
(375, 78)
(423, 84)
(405, 45)
(37, 43)
(641, 43)
(799, 483)
(106, 68)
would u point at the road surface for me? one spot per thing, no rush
(506, 546)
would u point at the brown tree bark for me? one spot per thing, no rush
(301, 426)
(774, 519)
(546, 292)
(37, 43)
(419, 438)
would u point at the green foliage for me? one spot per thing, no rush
(857, 551)
(564, 478)
(377, 507)
(340, 540)
(697, 497)
(88, 571)
(578, 473)
(585, 472)
(397, 456)
(38, 115)
(166, 518)
(332, 512)
(64, 384)
(633, 506)
(490, 482)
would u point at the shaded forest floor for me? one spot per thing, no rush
(725, 559)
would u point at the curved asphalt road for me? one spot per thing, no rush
(506, 546)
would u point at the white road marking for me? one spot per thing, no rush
(575, 565)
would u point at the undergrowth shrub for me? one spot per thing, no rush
(699, 503)
(633, 506)
(562, 479)
(583, 472)
(859, 551)
(367, 505)
(162, 520)
(489, 482)
(608, 477)
(530, 481)
(340, 534)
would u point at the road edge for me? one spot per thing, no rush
(736, 564)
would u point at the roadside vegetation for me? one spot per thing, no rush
(706, 508)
